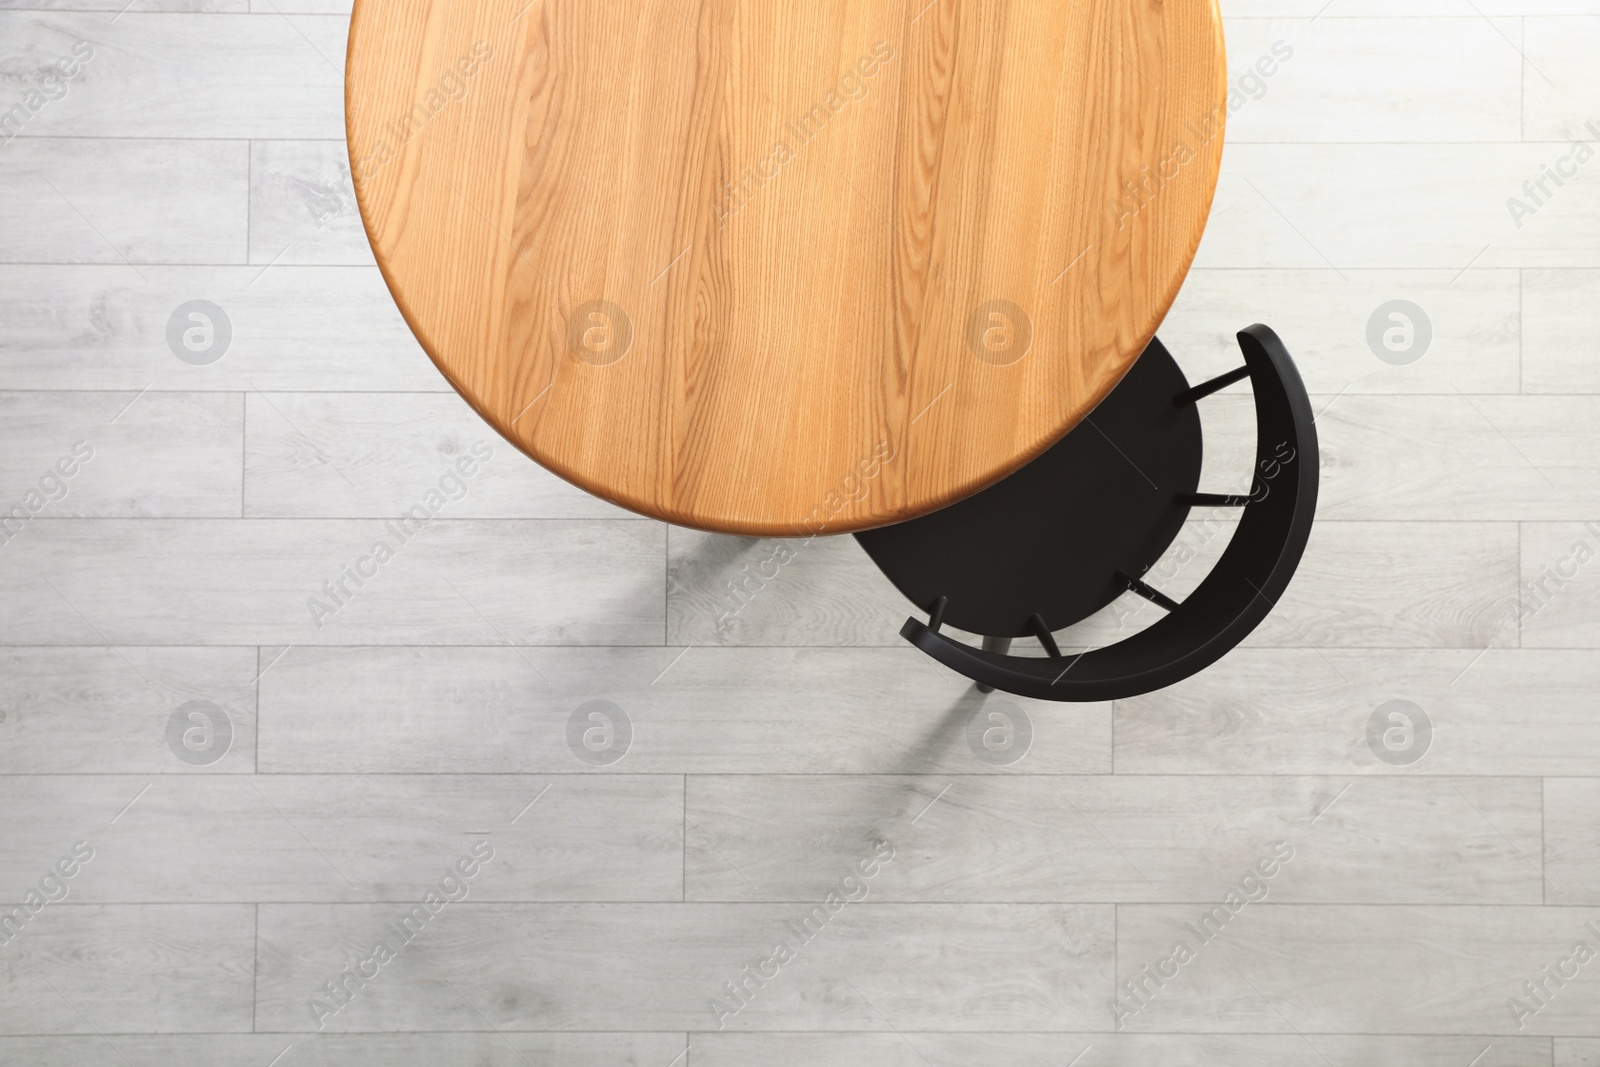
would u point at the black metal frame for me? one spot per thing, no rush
(1242, 588)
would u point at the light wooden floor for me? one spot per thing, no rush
(198, 155)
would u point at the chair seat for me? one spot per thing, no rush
(1052, 538)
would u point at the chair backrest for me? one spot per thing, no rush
(1231, 601)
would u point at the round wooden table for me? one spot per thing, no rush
(777, 267)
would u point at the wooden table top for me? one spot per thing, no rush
(779, 267)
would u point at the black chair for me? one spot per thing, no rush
(1091, 526)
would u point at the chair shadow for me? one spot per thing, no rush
(947, 731)
(926, 759)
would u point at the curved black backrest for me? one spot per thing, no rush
(1241, 589)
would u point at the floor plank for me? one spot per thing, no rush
(172, 74)
(1560, 97)
(694, 710)
(347, 1050)
(1119, 838)
(1559, 597)
(1309, 9)
(139, 5)
(1111, 1050)
(1279, 968)
(1318, 207)
(1576, 1052)
(226, 838)
(874, 967)
(105, 327)
(1473, 322)
(302, 205)
(1453, 457)
(1561, 310)
(308, 7)
(108, 711)
(121, 450)
(1572, 840)
(151, 969)
(127, 202)
(261, 581)
(1491, 712)
(1360, 79)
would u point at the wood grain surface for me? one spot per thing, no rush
(768, 268)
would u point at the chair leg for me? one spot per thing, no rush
(1001, 645)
